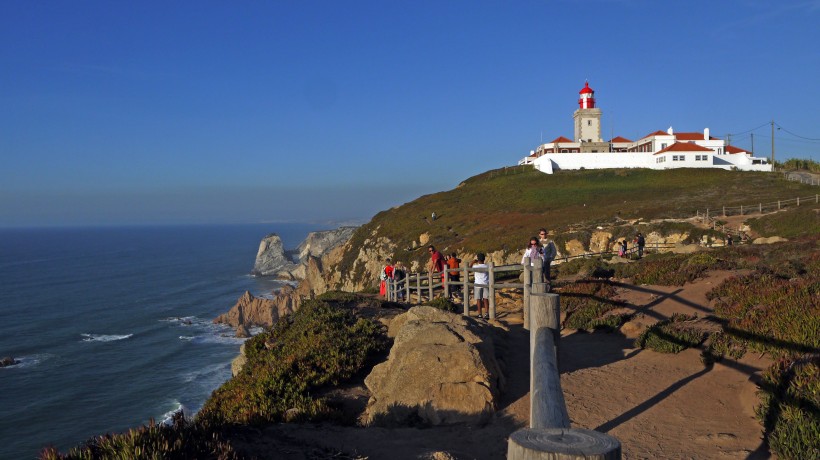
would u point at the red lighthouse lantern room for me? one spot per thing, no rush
(587, 100)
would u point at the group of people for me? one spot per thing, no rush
(541, 248)
(392, 273)
(639, 242)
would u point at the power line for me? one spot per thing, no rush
(748, 130)
(796, 135)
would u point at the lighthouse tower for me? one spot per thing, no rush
(588, 122)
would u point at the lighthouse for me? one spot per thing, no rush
(587, 99)
(588, 122)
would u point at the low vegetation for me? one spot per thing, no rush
(317, 345)
(589, 305)
(181, 439)
(673, 335)
(799, 164)
(443, 304)
(790, 407)
(500, 209)
(791, 223)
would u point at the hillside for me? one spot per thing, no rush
(498, 210)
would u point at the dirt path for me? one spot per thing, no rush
(657, 405)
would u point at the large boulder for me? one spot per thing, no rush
(271, 257)
(441, 370)
(252, 311)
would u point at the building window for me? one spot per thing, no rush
(589, 122)
(663, 146)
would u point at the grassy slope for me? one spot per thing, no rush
(495, 210)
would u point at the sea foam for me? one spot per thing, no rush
(104, 337)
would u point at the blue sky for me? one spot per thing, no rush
(238, 112)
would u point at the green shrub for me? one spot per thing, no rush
(443, 304)
(790, 408)
(720, 345)
(339, 297)
(673, 335)
(773, 314)
(672, 269)
(317, 345)
(588, 305)
(791, 223)
(182, 439)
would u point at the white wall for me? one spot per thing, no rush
(603, 160)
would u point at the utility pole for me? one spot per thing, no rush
(753, 144)
(772, 143)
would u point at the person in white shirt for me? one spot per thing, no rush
(482, 288)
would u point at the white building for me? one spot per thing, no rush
(658, 150)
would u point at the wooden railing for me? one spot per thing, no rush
(420, 287)
(723, 211)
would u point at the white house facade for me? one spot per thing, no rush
(658, 150)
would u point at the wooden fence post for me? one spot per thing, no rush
(760, 208)
(491, 270)
(778, 204)
(465, 292)
(549, 436)
(724, 211)
(407, 288)
(430, 285)
(798, 201)
(446, 283)
(741, 210)
(418, 287)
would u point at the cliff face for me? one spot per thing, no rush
(271, 257)
(273, 260)
(253, 311)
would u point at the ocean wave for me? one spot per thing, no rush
(104, 337)
(168, 417)
(206, 332)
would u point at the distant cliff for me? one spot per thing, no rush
(273, 260)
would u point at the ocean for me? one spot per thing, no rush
(113, 326)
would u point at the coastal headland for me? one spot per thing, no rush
(660, 352)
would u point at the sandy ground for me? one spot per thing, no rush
(659, 406)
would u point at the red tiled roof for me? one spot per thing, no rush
(692, 137)
(656, 133)
(733, 149)
(684, 147)
(560, 139)
(619, 139)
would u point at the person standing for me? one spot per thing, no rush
(453, 263)
(385, 276)
(550, 252)
(482, 287)
(399, 274)
(436, 260)
(641, 242)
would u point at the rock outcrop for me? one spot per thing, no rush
(271, 257)
(252, 311)
(441, 370)
(318, 244)
(273, 260)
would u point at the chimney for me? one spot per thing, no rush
(706, 134)
(669, 131)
